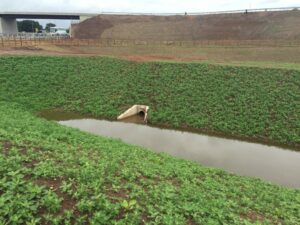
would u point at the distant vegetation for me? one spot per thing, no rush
(48, 26)
(32, 26)
(29, 26)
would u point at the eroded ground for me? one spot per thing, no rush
(279, 57)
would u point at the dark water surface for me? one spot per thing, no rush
(269, 163)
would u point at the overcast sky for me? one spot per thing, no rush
(150, 6)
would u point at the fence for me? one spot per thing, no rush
(23, 41)
(27, 35)
(65, 41)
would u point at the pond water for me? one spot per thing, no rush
(273, 164)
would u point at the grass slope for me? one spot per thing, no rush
(50, 174)
(246, 102)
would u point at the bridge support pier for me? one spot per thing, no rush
(8, 25)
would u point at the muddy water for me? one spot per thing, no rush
(59, 115)
(272, 164)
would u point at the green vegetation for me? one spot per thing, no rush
(48, 26)
(29, 26)
(50, 174)
(245, 102)
(274, 65)
(57, 175)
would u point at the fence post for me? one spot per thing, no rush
(2, 42)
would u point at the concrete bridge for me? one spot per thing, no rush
(8, 20)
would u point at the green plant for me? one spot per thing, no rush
(260, 104)
(50, 173)
(129, 205)
(51, 201)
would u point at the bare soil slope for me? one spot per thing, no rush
(251, 26)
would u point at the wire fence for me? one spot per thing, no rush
(66, 41)
(23, 41)
(32, 35)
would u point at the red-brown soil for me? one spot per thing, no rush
(251, 26)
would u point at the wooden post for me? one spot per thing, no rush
(2, 42)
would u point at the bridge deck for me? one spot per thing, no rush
(44, 15)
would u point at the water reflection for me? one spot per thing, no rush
(248, 159)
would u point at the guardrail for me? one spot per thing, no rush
(204, 13)
(249, 11)
(61, 41)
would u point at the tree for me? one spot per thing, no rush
(48, 25)
(29, 26)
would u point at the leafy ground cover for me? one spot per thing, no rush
(244, 102)
(50, 174)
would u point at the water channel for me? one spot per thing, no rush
(273, 164)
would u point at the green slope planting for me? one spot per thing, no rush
(50, 174)
(244, 102)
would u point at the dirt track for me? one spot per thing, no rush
(73, 51)
(256, 56)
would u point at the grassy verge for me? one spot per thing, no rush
(56, 175)
(245, 102)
